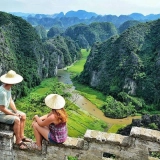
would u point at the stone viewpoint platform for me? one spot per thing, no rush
(95, 145)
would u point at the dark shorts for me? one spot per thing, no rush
(50, 140)
(8, 119)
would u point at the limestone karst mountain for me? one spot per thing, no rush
(22, 50)
(127, 63)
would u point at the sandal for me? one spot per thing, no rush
(34, 146)
(25, 139)
(22, 145)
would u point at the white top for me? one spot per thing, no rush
(5, 96)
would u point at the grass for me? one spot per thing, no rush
(114, 128)
(78, 66)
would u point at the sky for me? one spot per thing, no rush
(102, 7)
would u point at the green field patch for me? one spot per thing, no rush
(42, 90)
(76, 125)
(73, 132)
(114, 128)
(78, 66)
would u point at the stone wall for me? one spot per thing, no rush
(95, 145)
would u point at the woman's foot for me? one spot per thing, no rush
(34, 146)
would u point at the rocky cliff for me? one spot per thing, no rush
(22, 50)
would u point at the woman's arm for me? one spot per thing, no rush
(43, 117)
(45, 122)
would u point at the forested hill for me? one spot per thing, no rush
(86, 35)
(22, 50)
(127, 25)
(129, 63)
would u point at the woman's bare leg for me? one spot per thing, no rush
(39, 133)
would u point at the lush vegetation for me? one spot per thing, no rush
(111, 107)
(29, 54)
(67, 51)
(54, 31)
(78, 66)
(127, 25)
(87, 35)
(72, 158)
(96, 97)
(21, 50)
(78, 120)
(126, 67)
(41, 31)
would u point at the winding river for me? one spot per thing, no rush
(85, 104)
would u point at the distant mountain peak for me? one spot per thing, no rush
(81, 14)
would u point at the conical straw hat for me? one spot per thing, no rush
(55, 101)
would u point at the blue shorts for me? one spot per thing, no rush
(50, 140)
(8, 119)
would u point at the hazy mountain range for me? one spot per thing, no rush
(81, 16)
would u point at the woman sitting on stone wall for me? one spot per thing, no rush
(52, 126)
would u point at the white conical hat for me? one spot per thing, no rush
(55, 101)
(11, 77)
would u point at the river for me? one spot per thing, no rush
(85, 104)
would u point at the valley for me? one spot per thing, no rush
(85, 104)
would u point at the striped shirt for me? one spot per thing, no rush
(58, 133)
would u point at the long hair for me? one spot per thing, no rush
(61, 115)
